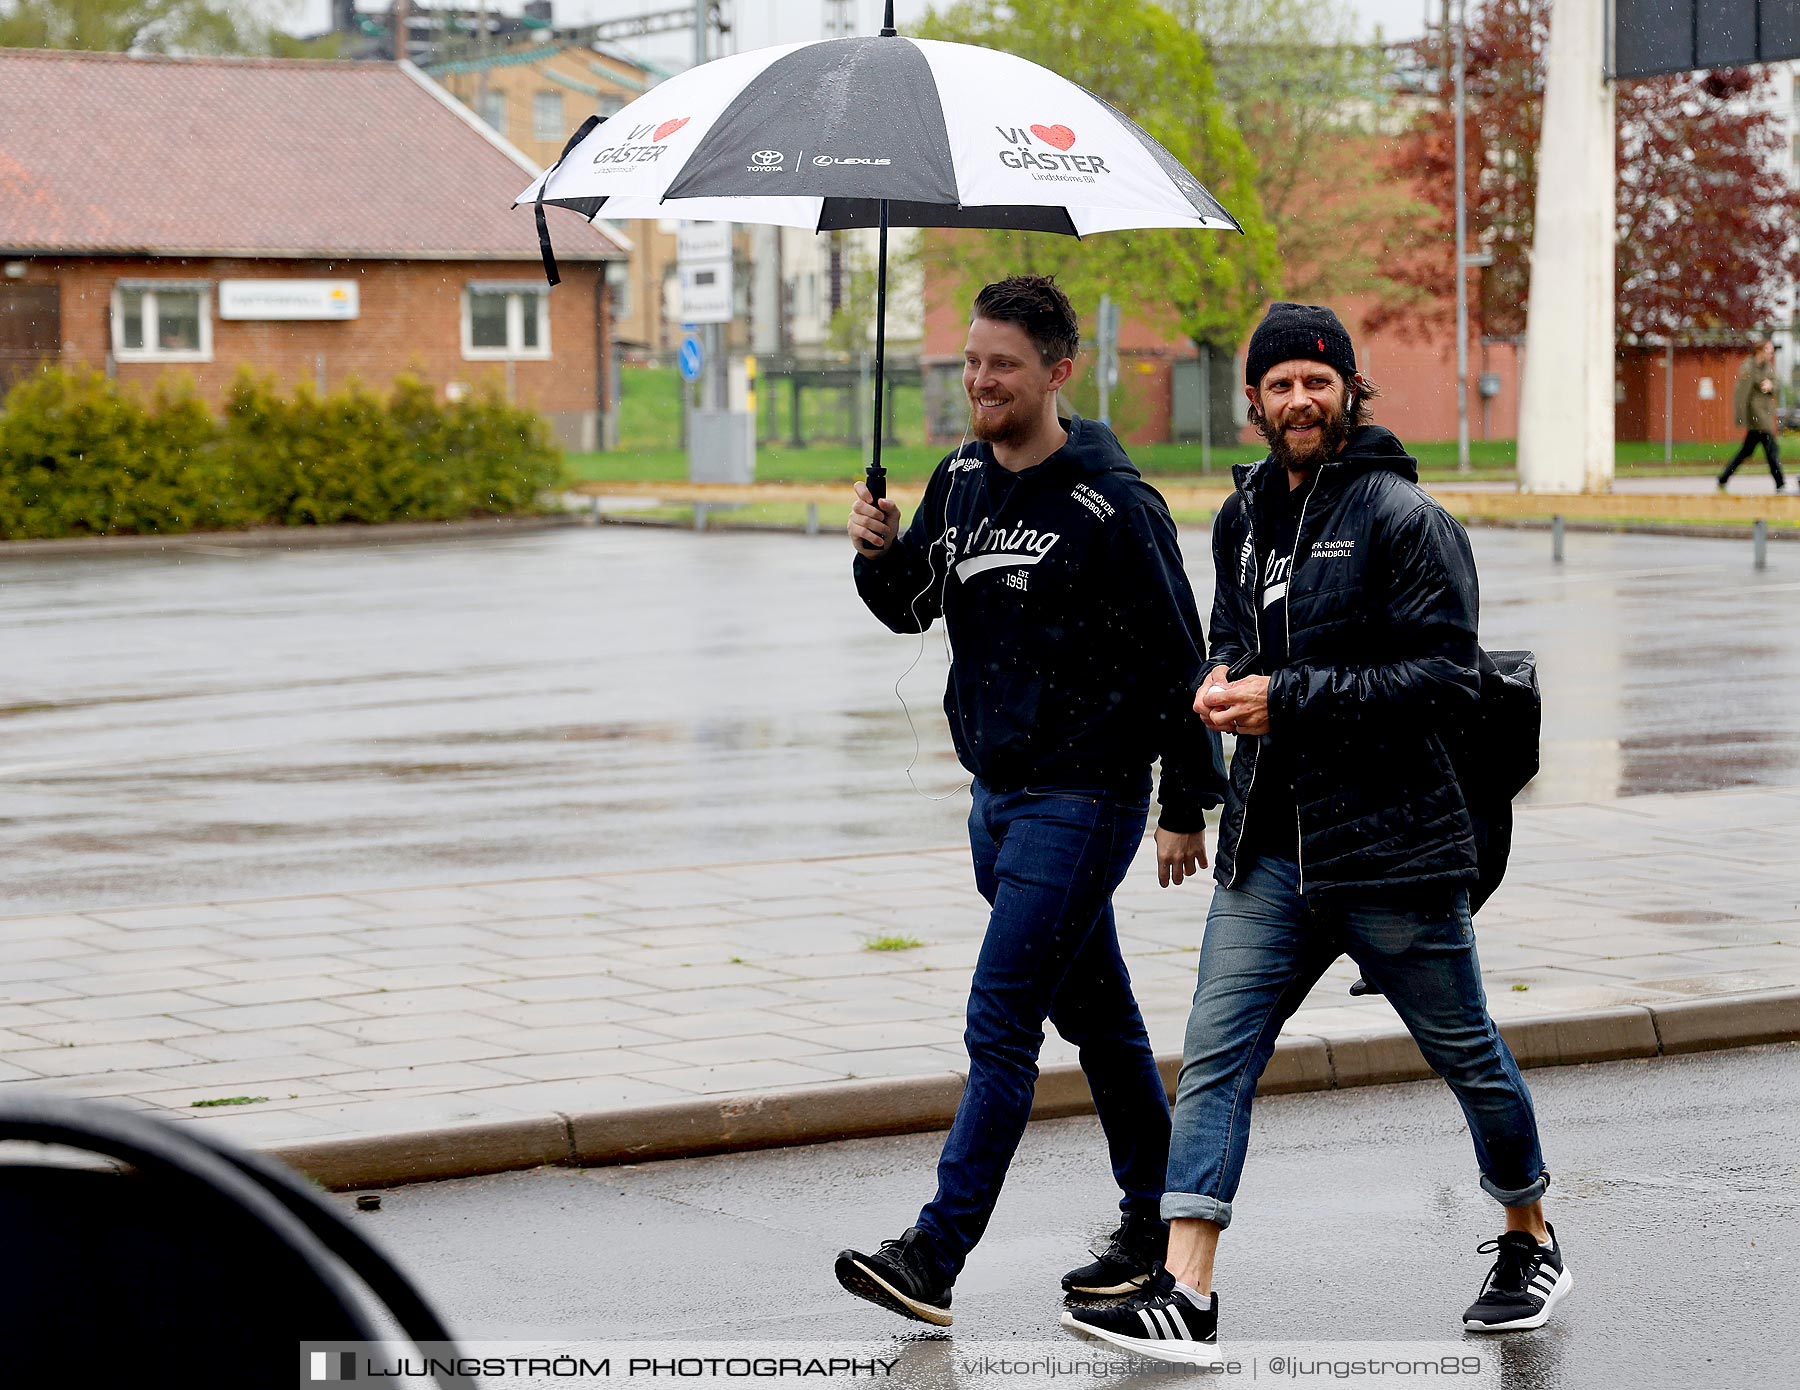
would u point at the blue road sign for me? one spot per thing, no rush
(690, 359)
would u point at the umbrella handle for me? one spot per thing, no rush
(875, 475)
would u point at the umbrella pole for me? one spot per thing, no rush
(877, 475)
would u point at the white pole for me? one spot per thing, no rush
(715, 374)
(1566, 414)
(1462, 247)
(1206, 408)
(1669, 402)
(1105, 354)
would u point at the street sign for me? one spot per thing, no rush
(706, 293)
(1658, 36)
(703, 260)
(690, 359)
(703, 241)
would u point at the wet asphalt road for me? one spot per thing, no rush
(1676, 1197)
(234, 724)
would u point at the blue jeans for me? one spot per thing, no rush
(1264, 949)
(1047, 861)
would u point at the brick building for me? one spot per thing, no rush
(535, 95)
(1416, 371)
(314, 221)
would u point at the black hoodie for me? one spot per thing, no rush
(1076, 643)
(1380, 670)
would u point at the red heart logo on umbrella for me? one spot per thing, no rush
(1059, 135)
(668, 128)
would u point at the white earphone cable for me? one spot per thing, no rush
(941, 543)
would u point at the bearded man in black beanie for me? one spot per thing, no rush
(1343, 639)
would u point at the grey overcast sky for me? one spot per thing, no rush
(763, 22)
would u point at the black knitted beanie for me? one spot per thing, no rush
(1307, 331)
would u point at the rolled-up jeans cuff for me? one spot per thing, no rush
(1506, 1197)
(1191, 1206)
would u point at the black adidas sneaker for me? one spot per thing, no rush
(899, 1278)
(1525, 1284)
(1131, 1255)
(1159, 1322)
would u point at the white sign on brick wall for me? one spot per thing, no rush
(288, 299)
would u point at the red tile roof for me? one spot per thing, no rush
(105, 153)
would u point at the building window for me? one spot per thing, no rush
(609, 106)
(618, 281)
(547, 117)
(161, 322)
(505, 321)
(493, 110)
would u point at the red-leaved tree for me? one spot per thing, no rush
(1706, 212)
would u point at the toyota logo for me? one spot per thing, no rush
(766, 158)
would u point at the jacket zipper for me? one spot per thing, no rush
(1256, 626)
(1287, 620)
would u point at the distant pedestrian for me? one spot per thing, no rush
(1077, 649)
(1753, 405)
(1344, 632)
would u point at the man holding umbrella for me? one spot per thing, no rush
(1077, 650)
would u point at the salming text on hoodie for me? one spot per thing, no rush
(1076, 644)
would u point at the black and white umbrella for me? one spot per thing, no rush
(875, 132)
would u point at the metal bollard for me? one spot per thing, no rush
(812, 518)
(1759, 541)
(1556, 539)
(699, 516)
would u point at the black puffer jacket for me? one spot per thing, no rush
(1077, 641)
(1381, 613)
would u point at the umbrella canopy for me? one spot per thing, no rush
(819, 135)
(874, 133)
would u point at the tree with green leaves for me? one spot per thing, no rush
(196, 27)
(128, 26)
(1310, 96)
(1209, 286)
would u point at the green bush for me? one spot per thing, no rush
(81, 457)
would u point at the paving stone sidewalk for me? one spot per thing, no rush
(380, 1012)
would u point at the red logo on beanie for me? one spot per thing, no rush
(1321, 345)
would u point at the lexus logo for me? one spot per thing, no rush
(766, 158)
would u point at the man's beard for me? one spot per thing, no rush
(1334, 433)
(1010, 425)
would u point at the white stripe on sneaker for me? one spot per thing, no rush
(1150, 1325)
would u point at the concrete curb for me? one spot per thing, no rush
(902, 1105)
(293, 537)
(1739, 532)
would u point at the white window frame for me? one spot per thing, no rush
(539, 125)
(618, 281)
(150, 352)
(493, 104)
(516, 292)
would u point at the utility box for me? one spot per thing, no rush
(721, 446)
